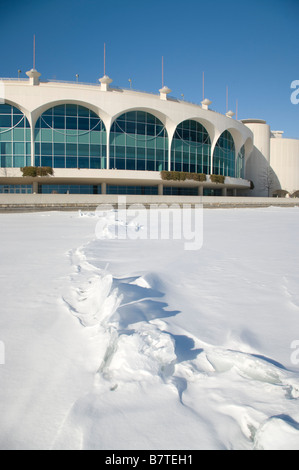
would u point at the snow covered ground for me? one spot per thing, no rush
(124, 344)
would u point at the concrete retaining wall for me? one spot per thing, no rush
(23, 202)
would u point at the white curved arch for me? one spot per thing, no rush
(37, 113)
(162, 117)
(20, 108)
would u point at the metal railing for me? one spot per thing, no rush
(98, 85)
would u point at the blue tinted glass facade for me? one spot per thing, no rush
(70, 136)
(15, 189)
(170, 191)
(224, 156)
(191, 148)
(69, 189)
(139, 190)
(138, 141)
(240, 163)
(15, 138)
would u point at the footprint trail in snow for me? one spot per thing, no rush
(148, 375)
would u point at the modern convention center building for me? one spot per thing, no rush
(74, 138)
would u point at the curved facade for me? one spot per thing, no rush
(100, 139)
(273, 164)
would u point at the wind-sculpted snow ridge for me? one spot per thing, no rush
(158, 386)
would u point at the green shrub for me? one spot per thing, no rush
(217, 179)
(29, 171)
(33, 171)
(44, 171)
(198, 177)
(182, 176)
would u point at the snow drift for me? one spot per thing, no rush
(139, 344)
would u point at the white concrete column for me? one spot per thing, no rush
(200, 190)
(35, 187)
(160, 189)
(103, 188)
(32, 144)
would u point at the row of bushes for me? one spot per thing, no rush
(183, 176)
(33, 171)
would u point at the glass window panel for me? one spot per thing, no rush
(58, 137)
(59, 149)
(96, 125)
(150, 165)
(46, 135)
(5, 109)
(71, 123)
(57, 110)
(4, 136)
(71, 138)
(120, 152)
(18, 121)
(120, 164)
(59, 162)
(83, 150)
(140, 154)
(19, 135)
(161, 155)
(95, 150)
(131, 127)
(84, 112)
(46, 149)
(130, 152)
(6, 148)
(5, 121)
(6, 162)
(140, 128)
(95, 137)
(46, 161)
(83, 124)
(71, 162)
(150, 130)
(131, 141)
(130, 164)
(131, 116)
(120, 139)
(140, 165)
(18, 148)
(95, 163)
(150, 118)
(59, 122)
(83, 162)
(141, 116)
(45, 122)
(71, 110)
(71, 150)
(84, 139)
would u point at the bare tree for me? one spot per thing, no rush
(268, 180)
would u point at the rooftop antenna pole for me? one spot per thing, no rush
(34, 52)
(104, 58)
(227, 99)
(237, 104)
(162, 71)
(203, 85)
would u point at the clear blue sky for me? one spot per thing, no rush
(250, 46)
